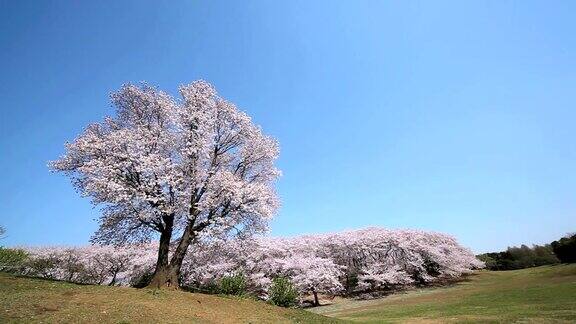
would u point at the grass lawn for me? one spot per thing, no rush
(543, 295)
(34, 300)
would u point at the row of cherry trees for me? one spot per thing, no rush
(361, 261)
(92, 264)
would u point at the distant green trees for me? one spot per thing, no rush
(563, 250)
(12, 260)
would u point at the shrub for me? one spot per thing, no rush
(283, 293)
(12, 260)
(351, 281)
(233, 285)
(142, 277)
(211, 288)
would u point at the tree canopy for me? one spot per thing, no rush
(196, 166)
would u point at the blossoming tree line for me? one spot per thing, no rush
(367, 261)
(186, 183)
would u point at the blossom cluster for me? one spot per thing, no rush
(359, 261)
(196, 164)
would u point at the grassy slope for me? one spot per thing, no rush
(543, 294)
(34, 300)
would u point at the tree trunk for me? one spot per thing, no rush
(165, 277)
(162, 274)
(113, 278)
(167, 273)
(316, 302)
(182, 247)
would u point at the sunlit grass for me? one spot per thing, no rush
(34, 300)
(543, 294)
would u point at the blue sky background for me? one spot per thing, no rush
(450, 116)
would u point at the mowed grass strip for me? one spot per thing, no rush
(28, 300)
(543, 294)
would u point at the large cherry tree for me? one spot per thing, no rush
(180, 170)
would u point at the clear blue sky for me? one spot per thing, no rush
(450, 116)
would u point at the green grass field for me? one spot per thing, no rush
(537, 295)
(541, 295)
(25, 300)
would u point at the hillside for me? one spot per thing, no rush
(36, 300)
(543, 294)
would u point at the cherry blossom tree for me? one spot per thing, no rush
(314, 275)
(187, 169)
